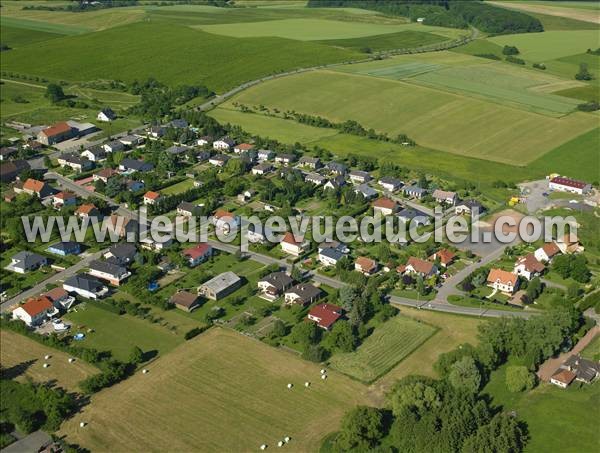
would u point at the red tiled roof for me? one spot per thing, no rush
(531, 263)
(34, 185)
(568, 182)
(326, 313)
(550, 249)
(366, 264)
(199, 250)
(419, 265)
(564, 376)
(445, 256)
(289, 238)
(35, 306)
(244, 146)
(221, 213)
(106, 173)
(85, 208)
(56, 294)
(503, 276)
(65, 195)
(152, 195)
(384, 203)
(57, 129)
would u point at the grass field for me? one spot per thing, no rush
(592, 350)
(557, 419)
(433, 118)
(585, 93)
(572, 10)
(391, 41)
(27, 356)
(180, 187)
(452, 331)
(119, 334)
(389, 344)
(231, 394)
(15, 37)
(186, 56)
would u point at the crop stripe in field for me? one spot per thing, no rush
(27, 24)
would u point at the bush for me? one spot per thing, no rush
(510, 50)
(193, 333)
(591, 106)
(489, 56)
(519, 379)
(515, 60)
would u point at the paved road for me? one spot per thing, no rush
(58, 277)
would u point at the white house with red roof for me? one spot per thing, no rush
(34, 311)
(293, 245)
(64, 199)
(325, 315)
(197, 254)
(445, 257)
(418, 266)
(384, 206)
(503, 281)
(225, 220)
(546, 252)
(365, 265)
(528, 266)
(562, 184)
(151, 198)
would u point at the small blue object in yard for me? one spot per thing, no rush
(152, 286)
(79, 336)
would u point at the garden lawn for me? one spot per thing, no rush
(178, 188)
(233, 388)
(391, 342)
(23, 358)
(120, 333)
(592, 350)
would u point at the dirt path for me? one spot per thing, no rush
(551, 365)
(586, 15)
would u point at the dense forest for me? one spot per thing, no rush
(447, 13)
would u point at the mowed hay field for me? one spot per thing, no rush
(389, 344)
(218, 392)
(24, 358)
(433, 118)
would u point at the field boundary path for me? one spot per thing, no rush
(548, 368)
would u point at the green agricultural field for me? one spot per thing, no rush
(553, 23)
(401, 40)
(584, 93)
(434, 118)
(47, 27)
(15, 37)
(479, 47)
(119, 334)
(387, 346)
(231, 387)
(551, 45)
(186, 56)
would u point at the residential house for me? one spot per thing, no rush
(446, 197)
(406, 215)
(88, 211)
(35, 311)
(7, 152)
(24, 261)
(414, 191)
(123, 253)
(315, 178)
(503, 281)
(10, 170)
(220, 286)
(108, 271)
(115, 146)
(569, 245)
(335, 183)
(64, 199)
(365, 265)
(177, 150)
(82, 129)
(94, 153)
(133, 186)
(223, 144)
(265, 154)
(563, 184)
(585, 370)
(151, 198)
(384, 206)
(293, 245)
(243, 148)
(218, 160)
(197, 254)
(132, 140)
(419, 267)
(131, 165)
(257, 234)
(329, 256)
(123, 226)
(75, 162)
(285, 159)
(187, 209)
(359, 177)
(202, 155)
(390, 184)
(185, 300)
(262, 169)
(85, 286)
(444, 256)
(150, 244)
(274, 285)
(246, 195)
(104, 175)
(310, 162)
(330, 244)
(225, 221)
(60, 298)
(325, 315)
(106, 115)
(468, 207)
(205, 140)
(65, 248)
(366, 191)
(546, 252)
(38, 188)
(563, 378)
(528, 266)
(337, 168)
(156, 132)
(302, 294)
(56, 134)
(178, 123)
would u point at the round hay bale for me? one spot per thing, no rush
(290, 386)
(82, 424)
(280, 443)
(263, 447)
(307, 384)
(47, 356)
(46, 365)
(323, 371)
(324, 377)
(145, 371)
(287, 439)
